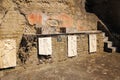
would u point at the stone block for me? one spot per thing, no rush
(7, 53)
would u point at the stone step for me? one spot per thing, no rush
(108, 50)
(108, 47)
(113, 49)
(109, 43)
(105, 39)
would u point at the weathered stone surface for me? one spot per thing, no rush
(92, 43)
(45, 46)
(100, 43)
(72, 45)
(82, 43)
(59, 46)
(18, 17)
(7, 53)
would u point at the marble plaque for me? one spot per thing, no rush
(7, 53)
(72, 45)
(92, 43)
(45, 46)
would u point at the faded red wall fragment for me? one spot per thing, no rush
(65, 19)
(34, 18)
(81, 27)
(37, 18)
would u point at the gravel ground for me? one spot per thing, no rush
(104, 66)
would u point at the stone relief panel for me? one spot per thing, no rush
(72, 45)
(7, 53)
(92, 43)
(45, 46)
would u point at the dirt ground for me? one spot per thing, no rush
(104, 66)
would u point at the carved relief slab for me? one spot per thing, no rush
(72, 45)
(45, 46)
(7, 53)
(92, 43)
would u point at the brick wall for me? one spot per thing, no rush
(59, 47)
(100, 42)
(12, 26)
(22, 15)
(82, 44)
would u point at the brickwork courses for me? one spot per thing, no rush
(25, 17)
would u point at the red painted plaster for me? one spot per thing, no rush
(80, 27)
(34, 18)
(65, 19)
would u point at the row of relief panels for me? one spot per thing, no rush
(8, 48)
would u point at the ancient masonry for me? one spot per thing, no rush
(46, 29)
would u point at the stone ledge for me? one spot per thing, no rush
(80, 32)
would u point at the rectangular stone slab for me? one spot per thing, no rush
(72, 45)
(7, 53)
(92, 43)
(45, 46)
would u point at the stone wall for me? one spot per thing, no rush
(12, 23)
(82, 44)
(58, 13)
(20, 17)
(59, 48)
(100, 42)
(12, 26)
